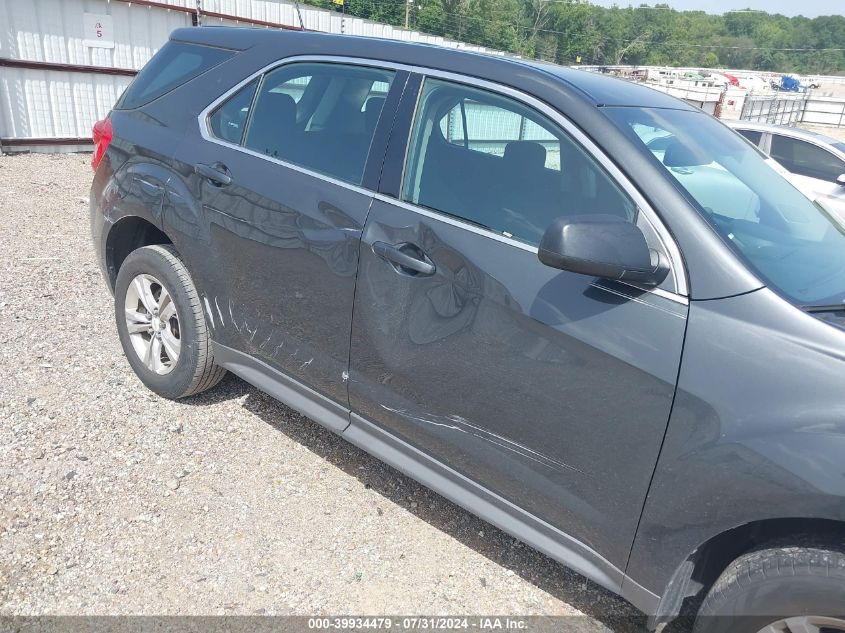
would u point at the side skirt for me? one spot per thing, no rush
(434, 475)
(283, 388)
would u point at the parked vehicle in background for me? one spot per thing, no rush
(558, 323)
(753, 83)
(792, 83)
(816, 162)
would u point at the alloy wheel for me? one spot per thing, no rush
(153, 324)
(806, 624)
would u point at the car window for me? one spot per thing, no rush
(319, 116)
(294, 87)
(497, 163)
(490, 128)
(710, 183)
(659, 143)
(795, 246)
(228, 121)
(175, 64)
(806, 159)
(752, 135)
(378, 93)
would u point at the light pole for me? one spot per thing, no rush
(408, 4)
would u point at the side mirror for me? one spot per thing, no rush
(603, 246)
(840, 180)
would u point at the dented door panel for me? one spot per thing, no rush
(552, 389)
(276, 262)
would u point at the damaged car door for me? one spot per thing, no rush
(550, 389)
(284, 170)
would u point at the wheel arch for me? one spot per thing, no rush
(694, 577)
(126, 235)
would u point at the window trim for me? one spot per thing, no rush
(668, 243)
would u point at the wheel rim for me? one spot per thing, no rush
(153, 324)
(805, 624)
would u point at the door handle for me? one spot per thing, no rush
(408, 257)
(217, 174)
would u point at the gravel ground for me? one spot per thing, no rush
(114, 501)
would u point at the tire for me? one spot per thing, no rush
(789, 589)
(147, 276)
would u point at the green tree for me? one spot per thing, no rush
(564, 30)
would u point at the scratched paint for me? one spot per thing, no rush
(460, 424)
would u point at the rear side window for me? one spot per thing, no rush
(175, 64)
(806, 159)
(318, 116)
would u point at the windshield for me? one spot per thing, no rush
(794, 245)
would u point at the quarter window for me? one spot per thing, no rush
(806, 159)
(319, 116)
(175, 64)
(494, 162)
(229, 120)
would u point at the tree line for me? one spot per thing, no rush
(573, 31)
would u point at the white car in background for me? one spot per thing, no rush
(816, 163)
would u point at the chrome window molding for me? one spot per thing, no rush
(645, 211)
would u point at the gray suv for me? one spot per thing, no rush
(484, 271)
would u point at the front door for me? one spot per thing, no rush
(816, 168)
(282, 176)
(551, 389)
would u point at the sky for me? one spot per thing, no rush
(807, 8)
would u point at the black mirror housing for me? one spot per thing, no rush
(603, 246)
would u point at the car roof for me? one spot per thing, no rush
(605, 90)
(786, 130)
(595, 88)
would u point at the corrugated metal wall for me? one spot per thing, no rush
(60, 104)
(44, 103)
(52, 31)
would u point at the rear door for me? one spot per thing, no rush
(284, 166)
(549, 388)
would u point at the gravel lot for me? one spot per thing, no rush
(114, 501)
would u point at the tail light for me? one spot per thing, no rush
(102, 134)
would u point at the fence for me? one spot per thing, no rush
(785, 109)
(776, 109)
(63, 63)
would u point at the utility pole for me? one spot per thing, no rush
(408, 4)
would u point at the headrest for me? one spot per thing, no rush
(274, 117)
(679, 155)
(526, 153)
(279, 106)
(372, 110)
